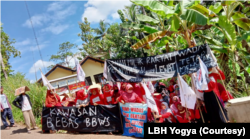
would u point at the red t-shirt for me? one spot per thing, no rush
(108, 97)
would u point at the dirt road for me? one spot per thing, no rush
(20, 132)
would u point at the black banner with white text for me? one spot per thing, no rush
(160, 66)
(100, 118)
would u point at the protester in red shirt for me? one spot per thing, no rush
(171, 86)
(107, 93)
(116, 94)
(51, 100)
(166, 114)
(137, 89)
(182, 115)
(96, 97)
(225, 95)
(130, 96)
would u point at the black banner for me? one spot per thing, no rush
(230, 130)
(160, 66)
(100, 118)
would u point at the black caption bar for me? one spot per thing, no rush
(151, 130)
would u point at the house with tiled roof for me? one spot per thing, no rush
(62, 77)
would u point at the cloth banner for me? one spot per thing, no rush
(197, 93)
(134, 116)
(160, 66)
(79, 70)
(187, 95)
(76, 86)
(100, 118)
(46, 82)
(202, 77)
(150, 100)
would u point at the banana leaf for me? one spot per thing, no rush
(157, 7)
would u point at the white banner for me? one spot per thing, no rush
(46, 82)
(80, 72)
(202, 75)
(188, 97)
(150, 100)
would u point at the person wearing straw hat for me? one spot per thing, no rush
(6, 111)
(22, 102)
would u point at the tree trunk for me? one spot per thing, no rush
(3, 67)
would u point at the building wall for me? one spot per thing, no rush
(239, 110)
(59, 73)
(91, 68)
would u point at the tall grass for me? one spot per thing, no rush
(37, 96)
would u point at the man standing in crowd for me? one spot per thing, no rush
(6, 111)
(23, 102)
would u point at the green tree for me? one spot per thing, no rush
(7, 51)
(64, 53)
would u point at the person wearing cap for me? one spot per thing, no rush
(23, 102)
(6, 111)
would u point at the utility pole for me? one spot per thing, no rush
(3, 67)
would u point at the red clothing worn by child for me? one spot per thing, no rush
(51, 100)
(96, 97)
(107, 94)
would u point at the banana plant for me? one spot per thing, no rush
(181, 19)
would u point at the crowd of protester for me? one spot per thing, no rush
(167, 98)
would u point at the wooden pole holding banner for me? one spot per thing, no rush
(50, 87)
(184, 100)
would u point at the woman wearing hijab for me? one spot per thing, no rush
(183, 116)
(137, 89)
(82, 98)
(171, 95)
(177, 90)
(96, 97)
(215, 110)
(171, 86)
(107, 94)
(172, 106)
(115, 95)
(130, 96)
(51, 100)
(166, 114)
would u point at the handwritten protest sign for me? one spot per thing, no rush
(88, 119)
(160, 66)
(134, 117)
